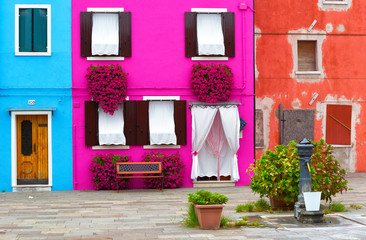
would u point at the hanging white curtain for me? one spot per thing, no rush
(231, 125)
(214, 159)
(210, 37)
(105, 34)
(202, 120)
(161, 122)
(111, 127)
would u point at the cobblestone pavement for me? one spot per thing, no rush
(152, 214)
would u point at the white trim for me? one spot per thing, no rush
(107, 147)
(210, 59)
(161, 146)
(105, 10)
(105, 58)
(308, 72)
(161, 98)
(16, 37)
(344, 2)
(341, 146)
(14, 146)
(210, 10)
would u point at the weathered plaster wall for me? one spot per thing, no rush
(158, 67)
(342, 32)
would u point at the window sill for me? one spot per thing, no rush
(308, 72)
(161, 146)
(106, 147)
(334, 3)
(32, 54)
(105, 58)
(341, 146)
(210, 58)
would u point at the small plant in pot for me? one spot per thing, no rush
(208, 208)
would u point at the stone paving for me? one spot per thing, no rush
(152, 214)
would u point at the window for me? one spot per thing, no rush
(306, 53)
(32, 30)
(136, 123)
(105, 33)
(335, 1)
(338, 122)
(110, 127)
(209, 32)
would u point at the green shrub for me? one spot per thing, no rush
(262, 205)
(203, 197)
(276, 174)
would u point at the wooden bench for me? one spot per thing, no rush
(127, 169)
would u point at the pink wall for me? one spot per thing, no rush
(158, 67)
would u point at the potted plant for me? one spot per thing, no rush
(276, 176)
(208, 208)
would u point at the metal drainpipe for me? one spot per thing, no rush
(74, 158)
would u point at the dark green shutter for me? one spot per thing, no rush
(39, 30)
(25, 30)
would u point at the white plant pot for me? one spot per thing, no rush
(312, 201)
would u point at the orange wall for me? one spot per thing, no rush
(344, 64)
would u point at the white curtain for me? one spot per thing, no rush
(202, 120)
(111, 127)
(105, 34)
(208, 150)
(210, 37)
(231, 124)
(161, 122)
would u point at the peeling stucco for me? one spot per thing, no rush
(296, 104)
(329, 28)
(266, 104)
(257, 35)
(341, 28)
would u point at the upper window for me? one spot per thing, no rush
(339, 119)
(105, 33)
(209, 33)
(32, 30)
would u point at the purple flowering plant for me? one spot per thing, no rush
(172, 169)
(107, 85)
(103, 170)
(211, 83)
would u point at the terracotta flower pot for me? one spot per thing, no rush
(209, 216)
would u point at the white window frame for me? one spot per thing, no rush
(43, 6)
(343, 2)
(14, 159)
(161, 98)
(105, 58)
(209, 10)
(302, 35)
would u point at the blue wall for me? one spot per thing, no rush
(45, 79)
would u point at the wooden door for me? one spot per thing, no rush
(32, 149)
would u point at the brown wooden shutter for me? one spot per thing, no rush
(86, 25)
(338, 129)
(130, 122)
(180, 120)
(190, 19)
(125, 34)
(91, 123)
(229, 33)
(142, 123)
(306, 55)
